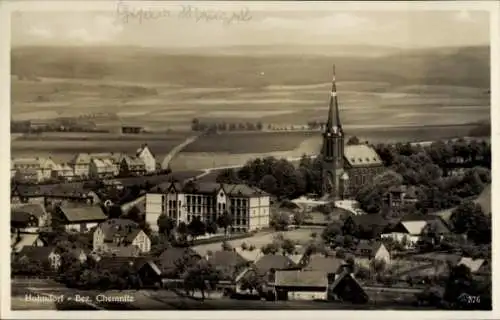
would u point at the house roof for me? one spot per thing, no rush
(341, 276)
(36, 209)
(298, 278)
(211, 188)
(273, 261)
(133, 161)
(484, 200)
(361, 155)
(226, 259)
(36, 253)
(25, 240)
(367, 246)
(41, 162)
(83, 213)
(473, 264)
(415, 223)
(368, 220)
(318, 262)
(168, 259)
(123, 228)
(113, 263)
(249, 255)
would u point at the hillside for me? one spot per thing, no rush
(448, 66)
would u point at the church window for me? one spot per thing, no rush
(368, 159)
(353, 160)
(374, 159)
(360, 160)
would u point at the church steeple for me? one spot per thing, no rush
(333, 148)
(333, 123)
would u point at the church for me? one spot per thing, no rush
(345, 168)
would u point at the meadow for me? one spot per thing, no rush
(411, 96)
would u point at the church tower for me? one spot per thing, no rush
(332, 152)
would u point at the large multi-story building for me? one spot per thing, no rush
(346, 168)
(248, 206)
(38, 169)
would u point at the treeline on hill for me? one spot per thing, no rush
(197, 125)
(430, 169)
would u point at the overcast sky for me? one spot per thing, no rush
(387, 28)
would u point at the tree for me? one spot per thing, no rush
(469, 218)
(165, 225)
(459, 282)
(288, 246)
(225, 221)
(202, 276)
(226, 246)
(271, 248)
(269, 184)
(331, 231)
(182, 230)
(244, 246)
(228, 176)
(353, 140)
(196, 228)
(212, 227)
(299, 218)
(280, 220)
(253, 282)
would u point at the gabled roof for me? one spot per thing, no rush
(167, 261)
(415, 223)
(361, 155)
(36, 209)
(36, 253)
(249, 255)
(273, 261)
(25, 240)
(211, 188)
(224, 258)
(368, 220)
(125, 229)
(120, 251)
(133, 161)
(83, 213)
(371, 248)
(473, 264)
(115, 263)
(298, 278)
(318, 262)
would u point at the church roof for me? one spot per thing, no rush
(361, 155)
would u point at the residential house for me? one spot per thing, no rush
(248, 206)
(120, 233)
(229, 263)
(300, 285)
(399, 197)
(328, 265)
(411, 228)
(144, 267)
(145, 154)
(132, 166)
(80, 218)
(27, 176)
(39, 169)
(345, 287)
(82, 164)
(20, 240)
(368, 226)
(101, 168)
(272, 262)
(45, 255)
(375, 250)
(249, 255)
(29, 218)
(63, 171)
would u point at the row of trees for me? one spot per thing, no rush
(197, 125)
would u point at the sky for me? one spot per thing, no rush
(136, 25)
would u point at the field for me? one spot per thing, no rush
(410, 96)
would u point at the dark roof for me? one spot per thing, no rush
(226, 259)
(167, 261)
(273, 261)
(120, 251)
(368, 220)
(211, 188)
(114, 263)
(299, 278)
(125, 229)
(20, 217)
(35, 209)
(83, 213)
(36, 253)
(318, 262)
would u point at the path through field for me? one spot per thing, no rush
(166, 161)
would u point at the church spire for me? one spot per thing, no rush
(333, 124)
